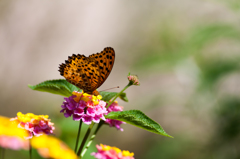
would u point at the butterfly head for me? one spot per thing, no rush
(95, 92)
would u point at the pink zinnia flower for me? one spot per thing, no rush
(85, 107)
(112, 122)
(108, 152)
(35, 124)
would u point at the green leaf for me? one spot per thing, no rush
(64, 88)
(123, 97)
(139, 119)
(59, 86)
(106, 96)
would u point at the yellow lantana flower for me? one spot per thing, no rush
(11, 136)
(51, 147)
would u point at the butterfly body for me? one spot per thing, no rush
(88, 73)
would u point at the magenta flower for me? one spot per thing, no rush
(112, 122)
(83, 106)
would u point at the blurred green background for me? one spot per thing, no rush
(186, 54)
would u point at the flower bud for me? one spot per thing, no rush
(133, 80)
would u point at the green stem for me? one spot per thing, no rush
(117, 95)
(78, 135)
(92, 138)
(30, 149)
(2, 150)
(99, 125)
(85, 139)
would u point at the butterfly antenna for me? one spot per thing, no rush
(111, 88)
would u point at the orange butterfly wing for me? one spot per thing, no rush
(105, 61)
(88, 73)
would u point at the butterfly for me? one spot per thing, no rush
(88, 73)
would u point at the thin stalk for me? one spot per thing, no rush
(119, 94)
(2, 150)
(92, 138)
(79, 130)
(78, 135)
(85, 139)
(30, 150)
